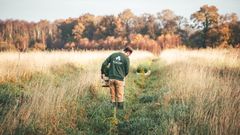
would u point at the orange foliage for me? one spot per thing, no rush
(144, 43)
(169, 41)
(39, 46)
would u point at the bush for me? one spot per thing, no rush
(10, 93)
(39, 46)
(143, 68)
(4, 46)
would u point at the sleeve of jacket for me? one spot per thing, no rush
(127, 67)
(105, 64)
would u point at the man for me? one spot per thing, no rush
(118, 64)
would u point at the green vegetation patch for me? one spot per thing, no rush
(11, 95)
(143, 68)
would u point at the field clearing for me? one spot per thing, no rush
(14, 65)
(214, 57)
(207, 80)
(188, 92)
(44, 87)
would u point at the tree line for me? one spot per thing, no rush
(152, 32)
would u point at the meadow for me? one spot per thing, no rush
(188, 92)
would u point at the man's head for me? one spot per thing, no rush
(128, 50)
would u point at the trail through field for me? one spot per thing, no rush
(144, 102)
(187, 94)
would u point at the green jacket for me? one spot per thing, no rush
(116, 66)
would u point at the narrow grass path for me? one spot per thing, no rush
(69, 99)
(146, 111)
(143, 114)
(90, 111)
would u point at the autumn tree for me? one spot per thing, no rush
(149, 25)
(66, 28)
(234, 28)
(205, 19)
(88, 22)
(147, 32)
(184, 29)
(54, 40)
(128, 19)
(106, 27)
(78, 31)
(167, 21)
(235, 34)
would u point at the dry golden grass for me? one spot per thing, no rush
(61, 89)
(210, 80)
(15, 65)
(52, 99)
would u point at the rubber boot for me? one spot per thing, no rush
(120, 105)
(114, 104)
(120, 111)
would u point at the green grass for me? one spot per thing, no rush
(147, 108)
(147, 114)
(91, 108)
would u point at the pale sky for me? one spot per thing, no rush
(35, 10)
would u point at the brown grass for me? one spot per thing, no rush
(53, 83)
(209, 80)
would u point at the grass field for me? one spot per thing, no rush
(188, 92)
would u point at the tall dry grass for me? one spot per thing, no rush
(16, 65)
(207, 81)
(52, 87)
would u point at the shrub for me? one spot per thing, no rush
(4, 46)
(143, 68)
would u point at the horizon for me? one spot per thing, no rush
(34, 11)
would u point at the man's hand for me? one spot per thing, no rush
(102, 76)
